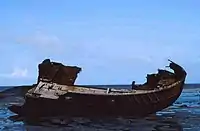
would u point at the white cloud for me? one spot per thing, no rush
(41, 41)
(16, 73)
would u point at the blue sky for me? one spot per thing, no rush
(114, 41)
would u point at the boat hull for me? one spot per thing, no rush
(55, 99)
(75, 104)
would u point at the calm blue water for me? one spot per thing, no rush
(184, 115)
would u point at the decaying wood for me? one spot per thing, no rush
(57, 73)
(56, 94)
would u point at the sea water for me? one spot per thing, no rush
(183, 115)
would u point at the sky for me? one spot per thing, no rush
(114, 41)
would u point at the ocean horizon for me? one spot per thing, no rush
(186, 86)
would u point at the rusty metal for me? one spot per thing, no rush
(57, 73)
(55, 94)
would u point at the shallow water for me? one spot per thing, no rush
(183, 115)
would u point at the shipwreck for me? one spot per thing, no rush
(55, 94)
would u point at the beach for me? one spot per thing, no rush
(184, 114)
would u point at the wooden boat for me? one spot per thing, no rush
(56, 95)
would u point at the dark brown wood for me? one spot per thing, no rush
(144, 100)
(57, 72)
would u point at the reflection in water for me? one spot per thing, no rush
(151, 123)
(167, 125)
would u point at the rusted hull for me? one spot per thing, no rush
(74, 104)
(46, 99)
